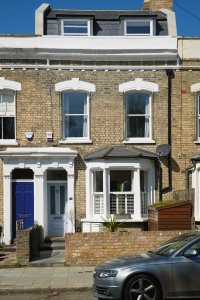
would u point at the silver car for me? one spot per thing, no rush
(170, 271)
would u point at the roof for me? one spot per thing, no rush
(113, 152)
(103, 14)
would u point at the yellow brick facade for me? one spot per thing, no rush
(38, 109)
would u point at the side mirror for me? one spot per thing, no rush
(190, 252)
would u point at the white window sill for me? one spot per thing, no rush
(8, 143)
(100, 220)
(139, 141)
(74, 141)
(197, 142)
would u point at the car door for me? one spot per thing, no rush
(186, 273)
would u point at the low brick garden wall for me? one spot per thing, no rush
(93, 248)
(27, 244)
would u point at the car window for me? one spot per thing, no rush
(196, 246)
(172, 245)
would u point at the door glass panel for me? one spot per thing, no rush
(62, 200)
(52, 200)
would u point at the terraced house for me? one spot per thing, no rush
(91, 122)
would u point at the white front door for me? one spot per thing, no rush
(57, 209)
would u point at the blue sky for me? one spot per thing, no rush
(17, 16)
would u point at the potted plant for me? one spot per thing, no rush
(111, 224)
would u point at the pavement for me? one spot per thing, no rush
(32, 279)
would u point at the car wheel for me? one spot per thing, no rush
(142, 287)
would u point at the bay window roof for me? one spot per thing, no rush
(113, 152)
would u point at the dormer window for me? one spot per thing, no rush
(139, 27)
(75, 27)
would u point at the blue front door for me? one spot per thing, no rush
(22, 205)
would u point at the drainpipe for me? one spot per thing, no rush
(169, 187)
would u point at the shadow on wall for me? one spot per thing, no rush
(174, 164)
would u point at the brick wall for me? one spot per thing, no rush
(23, 247)
(93, 248)
(27, 244)
(39, 110)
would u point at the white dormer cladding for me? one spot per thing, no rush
(117, 48)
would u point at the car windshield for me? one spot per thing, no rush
(172, 245)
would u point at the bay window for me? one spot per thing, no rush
(120, 180)
(116, 191)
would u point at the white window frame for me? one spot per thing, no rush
(102, 194)
(14, 86)
(134, 86)
(139, 139)
(88, 21)
(195, 88)
(138, 21)
(76, 139)
(81, 86)
(9, 141)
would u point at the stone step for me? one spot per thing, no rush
(52, 246)
(49, 258)
(8, 248)
(53, 243)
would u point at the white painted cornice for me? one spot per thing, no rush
(75, 84)
(38, 152)
(90, 47)
(195, 87)
(138, 84)
(9, 85)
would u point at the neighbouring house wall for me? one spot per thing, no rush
(94, 248)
